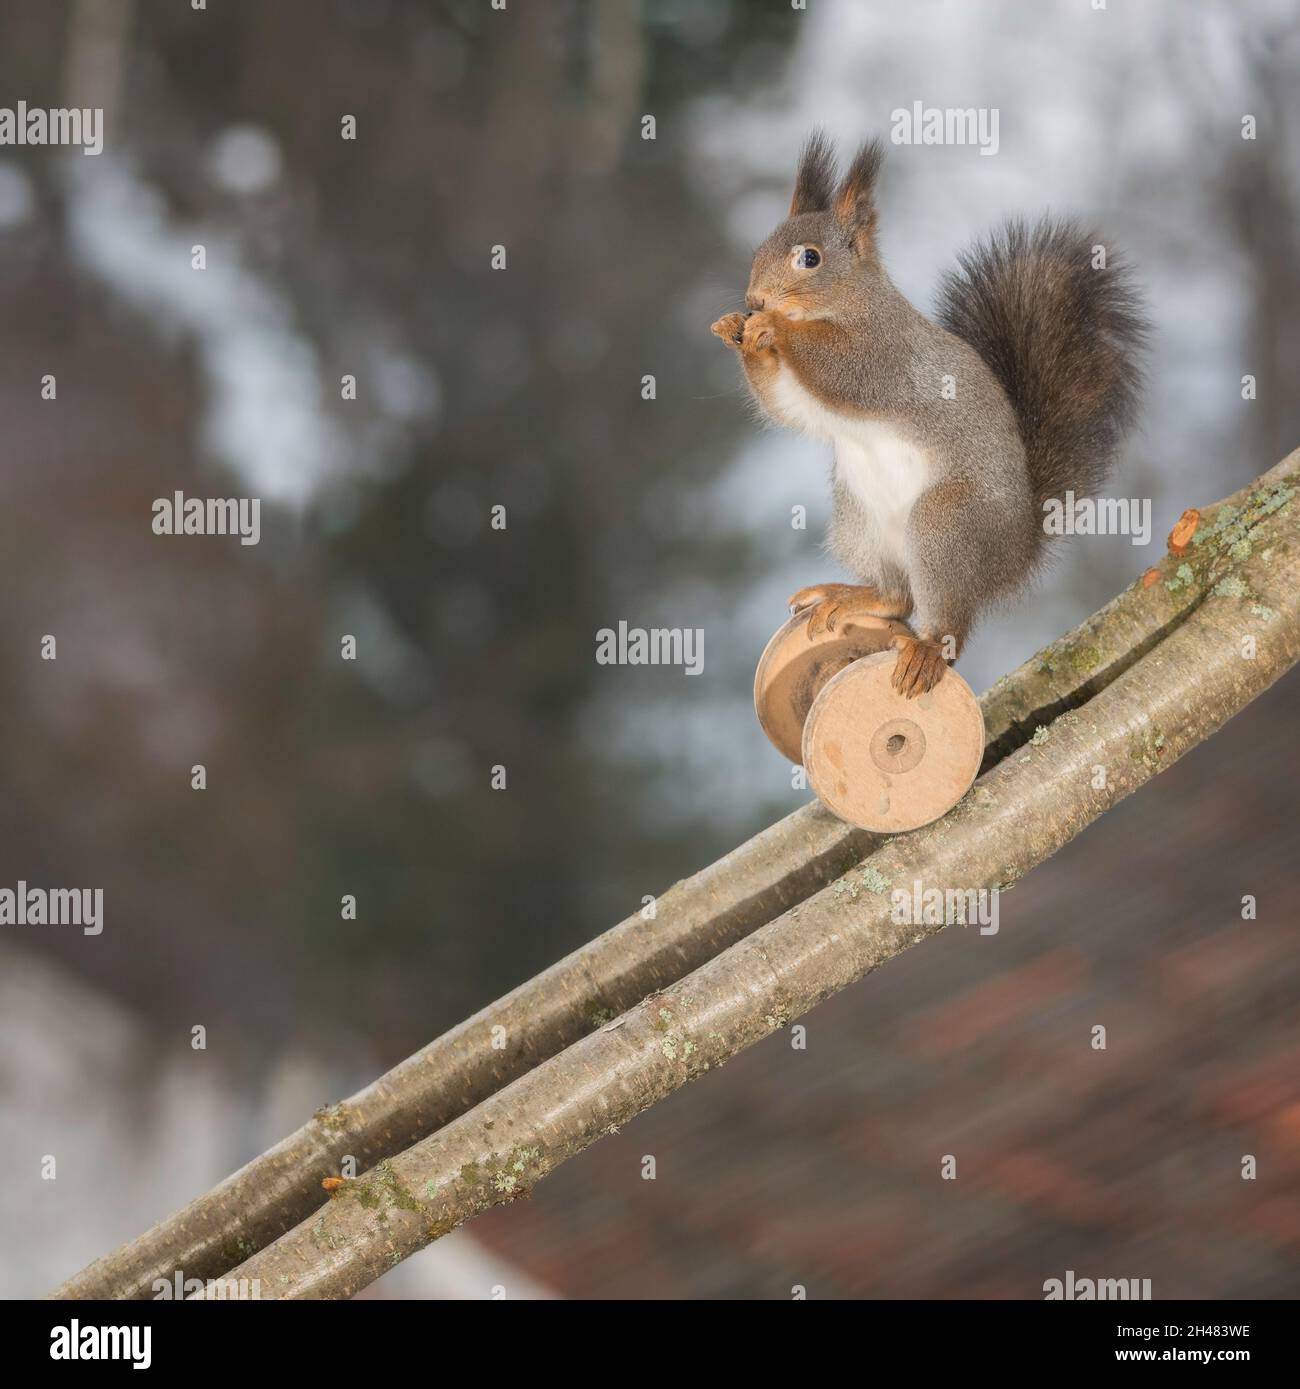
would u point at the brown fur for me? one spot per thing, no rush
(1064, 341)
(1043, 351)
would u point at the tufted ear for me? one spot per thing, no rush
(855, 203)
(814, 184)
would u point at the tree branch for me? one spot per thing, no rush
(1109, 682)
(1026, 808)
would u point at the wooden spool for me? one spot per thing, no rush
(794, 667)
(887, 763)
(875, 759)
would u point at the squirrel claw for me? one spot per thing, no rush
(824, 616)
(827, 605)
(730, 328)
(813, 593)
(758, 333)
(920, 666)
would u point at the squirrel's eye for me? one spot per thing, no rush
(806, 257)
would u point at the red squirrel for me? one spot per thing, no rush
(948, 437)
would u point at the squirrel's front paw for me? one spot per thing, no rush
(760, 332)
(920, 666)
(729, 328)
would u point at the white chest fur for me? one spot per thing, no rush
(882, 470)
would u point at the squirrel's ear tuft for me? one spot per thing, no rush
(855, 203)
(814, 184)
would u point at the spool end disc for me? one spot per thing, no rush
(886, 763)
(794, 667)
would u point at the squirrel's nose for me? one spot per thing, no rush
(753, 302)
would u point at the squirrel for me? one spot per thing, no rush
(948, 436)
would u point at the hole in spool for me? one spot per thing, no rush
(898, 746)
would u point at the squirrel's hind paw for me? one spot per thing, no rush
(829, 605)
(920, 666)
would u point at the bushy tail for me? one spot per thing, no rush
(1065, 340)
